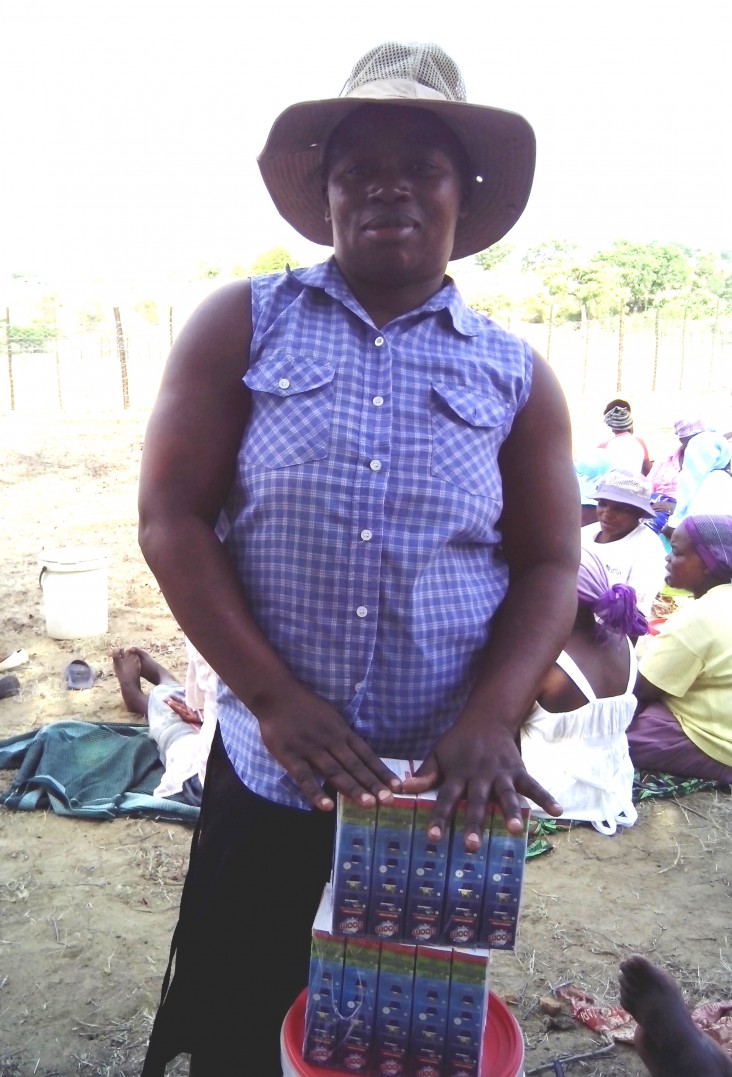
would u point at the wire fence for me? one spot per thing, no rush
(641, 357)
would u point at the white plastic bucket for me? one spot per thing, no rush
(74, 584)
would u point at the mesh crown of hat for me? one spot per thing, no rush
(627, 483)
(425, 63)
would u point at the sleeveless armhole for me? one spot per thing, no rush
(568, 665)
(633, 671)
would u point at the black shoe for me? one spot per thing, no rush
(9, 686)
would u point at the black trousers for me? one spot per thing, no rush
(241, 948)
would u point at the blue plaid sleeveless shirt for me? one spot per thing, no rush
(362, 519)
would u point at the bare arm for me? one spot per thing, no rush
(188, 463)
(478, 758)
(644, 691)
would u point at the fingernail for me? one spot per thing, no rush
(385, 794)
(434, 832)
(474, 839)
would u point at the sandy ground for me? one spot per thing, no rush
(87, 909)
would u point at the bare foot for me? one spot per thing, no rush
(667, 1039)
(151, 670)
(127, 669)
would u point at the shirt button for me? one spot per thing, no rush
(379, 341)
(375, 465)
(358, 685)
(367, 535)
(284, 383)
(361, 611)
(377, 401)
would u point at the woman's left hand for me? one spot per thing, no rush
(479, 767)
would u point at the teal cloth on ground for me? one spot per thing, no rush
(89, 770)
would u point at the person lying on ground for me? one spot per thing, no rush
(667, 1040)
(181, 721)
(684, 685)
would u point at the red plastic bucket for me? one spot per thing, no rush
(503, 1045)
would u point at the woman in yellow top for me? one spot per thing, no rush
(683, 724)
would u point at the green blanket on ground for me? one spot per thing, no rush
(89, 770)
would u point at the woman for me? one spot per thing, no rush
(664, 475)
(574, 738)
(704, 484)
(358, 433)
(684, 684)
(624, 449)
(589, 470)
(630, 551)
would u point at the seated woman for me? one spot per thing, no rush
(630, 551)
(704, 485)
(624, 449)
(684, 686)
(575, 734)
(589, 470)
(664, 475)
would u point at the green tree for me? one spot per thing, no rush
(497, 306)
(273, 260)
(90, 317)
(32, 338)
(148, 309)
(550, 261)
(652, 273)
(493, 256)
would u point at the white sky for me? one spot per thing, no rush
(129, 132)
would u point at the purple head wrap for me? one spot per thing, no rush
(711, 537)
(614, 605)
(686, 428)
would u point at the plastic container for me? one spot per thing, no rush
(503, 1045)
(75, 598)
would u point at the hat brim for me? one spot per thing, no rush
(501, 146)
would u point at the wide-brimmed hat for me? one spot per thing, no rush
(500, 145)
(625, 488)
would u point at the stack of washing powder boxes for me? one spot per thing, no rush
(399, 963)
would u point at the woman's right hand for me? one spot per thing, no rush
(317, 748)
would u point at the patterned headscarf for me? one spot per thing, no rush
(711, 537)
(614, 605)
(619, 418)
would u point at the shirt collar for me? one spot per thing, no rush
(328, 278)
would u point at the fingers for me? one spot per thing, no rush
(477, 805)
(530, 788)
(344, 772)
(323, 756)
(478, 793)
(427, 776)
